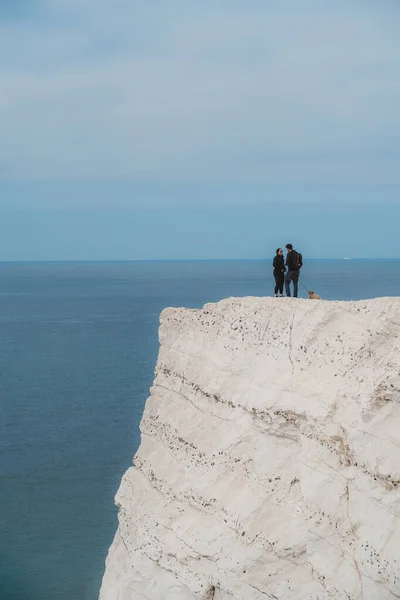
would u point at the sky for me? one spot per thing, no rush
(190, 130)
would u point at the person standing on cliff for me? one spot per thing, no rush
(279, 272)
(294, 262)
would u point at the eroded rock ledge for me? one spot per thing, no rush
(269, 465)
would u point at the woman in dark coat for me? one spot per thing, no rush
(279, 272)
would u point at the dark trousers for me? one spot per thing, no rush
(292, 276)
(279, 279)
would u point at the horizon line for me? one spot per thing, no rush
(186, 260)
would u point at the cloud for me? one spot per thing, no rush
(218, 91)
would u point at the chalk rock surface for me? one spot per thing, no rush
(269, 464)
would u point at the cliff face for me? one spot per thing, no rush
(269, 465)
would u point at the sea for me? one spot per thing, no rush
(78, 346)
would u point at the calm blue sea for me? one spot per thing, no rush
(78, 344)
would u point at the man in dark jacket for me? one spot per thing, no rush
(293, 266)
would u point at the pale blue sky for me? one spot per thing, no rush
(175, 129)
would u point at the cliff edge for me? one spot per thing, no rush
(269, 464)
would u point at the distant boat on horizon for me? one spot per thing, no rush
(346, 258)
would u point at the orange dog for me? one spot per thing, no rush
(313, 296)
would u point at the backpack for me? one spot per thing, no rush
(297, 260)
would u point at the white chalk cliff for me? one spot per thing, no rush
(269, 464)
